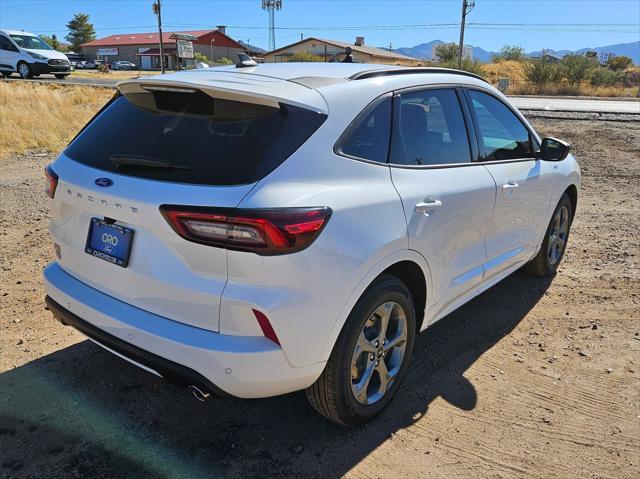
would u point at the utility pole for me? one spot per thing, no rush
(156, 7)
(390, 46)
(467, 6)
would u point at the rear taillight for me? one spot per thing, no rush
(52, 181)
(264, 231)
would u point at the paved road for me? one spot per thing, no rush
(524, 103)
(577, 105)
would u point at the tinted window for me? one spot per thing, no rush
(5, 44)
(429, 129)
(502, 135)
(368, 138)
(192, 138)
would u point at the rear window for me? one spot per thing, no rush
(192, 138)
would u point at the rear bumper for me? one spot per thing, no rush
(241, 366)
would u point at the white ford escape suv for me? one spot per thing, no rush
(253, 231)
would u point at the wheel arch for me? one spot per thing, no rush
(404, 265)
(572, 193)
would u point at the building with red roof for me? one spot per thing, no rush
(143, 49)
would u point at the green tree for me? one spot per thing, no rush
(510, 52)
(80, 31)
(55, 44)
(619, 64)
(447, 52)
(576, 68)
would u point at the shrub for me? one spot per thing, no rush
(631, 79)
(447, 52)
(541, 73)
(510, 53)
(576, 68)
(619, 64)
(604, 77)
(103, 68)
(200, 58)
(305, 57)
(468, 65)
(224, 61)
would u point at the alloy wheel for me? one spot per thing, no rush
(23, 70)
(379, 352)
(558, 235)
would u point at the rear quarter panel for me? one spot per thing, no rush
(307, 295)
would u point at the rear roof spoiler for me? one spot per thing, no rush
(229, 85)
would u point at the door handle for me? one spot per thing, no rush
(510, 185)
(425, 206)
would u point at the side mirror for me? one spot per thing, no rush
(553, 149)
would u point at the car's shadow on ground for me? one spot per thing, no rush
(81, 411)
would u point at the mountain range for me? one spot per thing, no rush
(423, 51)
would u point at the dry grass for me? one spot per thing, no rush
(506, 69)
(564, 89)
(44, 117)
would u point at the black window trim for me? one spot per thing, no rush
(470, 122)
(533, 137)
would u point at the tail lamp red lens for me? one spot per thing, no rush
(52, 181)
(270, 231)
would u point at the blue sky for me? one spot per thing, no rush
(557, 24)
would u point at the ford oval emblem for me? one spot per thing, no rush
(104, 182)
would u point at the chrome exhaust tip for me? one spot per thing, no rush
(198, 393)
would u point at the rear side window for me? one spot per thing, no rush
(368, 138)
(5, 44)
(502, 135)
(192, 138)
(429, 129)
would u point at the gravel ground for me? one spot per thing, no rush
(534, 378)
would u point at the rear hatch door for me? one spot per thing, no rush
(167, 143)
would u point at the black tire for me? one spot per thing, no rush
(24, 70)
(542, 265)
(331, 395)
(60, 77)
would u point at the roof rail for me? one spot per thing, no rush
(409, 71)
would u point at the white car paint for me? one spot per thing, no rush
(193, 304)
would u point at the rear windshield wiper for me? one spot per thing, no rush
(144, 162)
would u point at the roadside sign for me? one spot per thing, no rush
(185, 49)
(107, 52)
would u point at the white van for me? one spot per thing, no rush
(30, 56)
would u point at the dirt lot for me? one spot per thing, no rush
(532, 379)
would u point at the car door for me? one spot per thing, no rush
(448, 199)
(508, 152)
